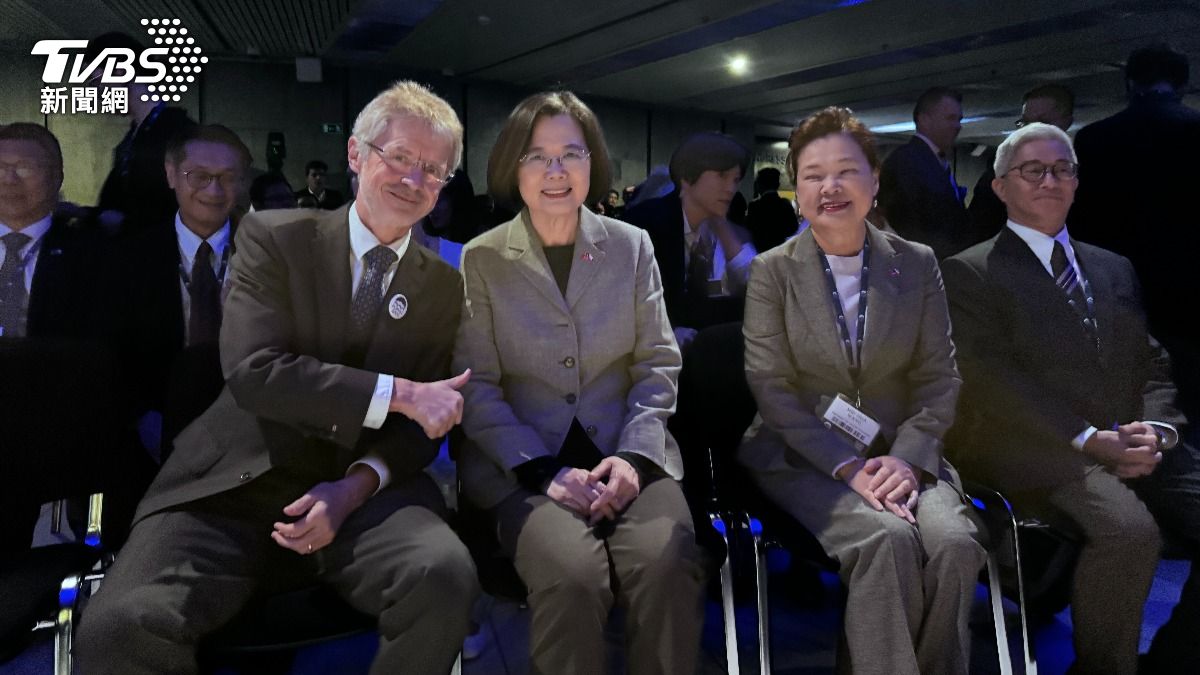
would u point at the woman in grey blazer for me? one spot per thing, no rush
(849, 357)
(574, 376)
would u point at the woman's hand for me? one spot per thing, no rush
(575, 490)
(884, 483)
(620, 487)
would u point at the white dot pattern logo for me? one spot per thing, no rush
(161, 30)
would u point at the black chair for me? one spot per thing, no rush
(63, 431)
(722, 404)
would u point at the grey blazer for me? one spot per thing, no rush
(794, 359)
(604, 354)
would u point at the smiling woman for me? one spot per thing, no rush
(574, 372)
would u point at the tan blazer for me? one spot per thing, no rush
(604, 354)
(795, 361)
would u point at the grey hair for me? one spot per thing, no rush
(409, 98)
(1036, 131)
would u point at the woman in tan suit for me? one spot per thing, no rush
(849, 357)
(574, 376)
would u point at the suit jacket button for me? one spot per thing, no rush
(570, 398)
(591, 430)
(569, 362)
(245, 476)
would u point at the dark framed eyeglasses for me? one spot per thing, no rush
(1035, 171)
(198, 180)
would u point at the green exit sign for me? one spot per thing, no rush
(332, 127)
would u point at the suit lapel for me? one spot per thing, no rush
(527, 253)
(588, 256)
(330, 249)
(884, 270)
(391, 335)
(808, 286)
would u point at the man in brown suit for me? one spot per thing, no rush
(337, 333)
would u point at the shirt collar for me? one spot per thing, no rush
(1042, 244)
(937, 152)
(363, 240)
(34, 231)
(189, 242)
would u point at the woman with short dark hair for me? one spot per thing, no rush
(849, 358)
(574, 376)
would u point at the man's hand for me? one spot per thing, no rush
(436, 406)
(684, 336)
(323, 509)
(1129, 452)
(621, 487)
(574, 489)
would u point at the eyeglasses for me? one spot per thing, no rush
(434, 175)
(571, 159)
(1035, 171)
(198, 180)
(24, 170)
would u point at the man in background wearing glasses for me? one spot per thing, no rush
(1068, 406)
(335, 342)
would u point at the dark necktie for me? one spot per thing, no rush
(204, 324)
(1068, 280)
(700, 266)
(369, 296)
(13, 296)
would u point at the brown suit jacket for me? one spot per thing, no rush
(289, 398)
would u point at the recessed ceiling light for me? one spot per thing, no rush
(739, 64)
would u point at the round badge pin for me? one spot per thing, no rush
(398, 306)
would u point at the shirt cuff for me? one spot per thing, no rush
(1079, 441)
(838, 468)
(377, 465)
(744, 255)
(380, 402)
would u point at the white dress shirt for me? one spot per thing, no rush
(738, 267)
(363, 240)
(189, 244)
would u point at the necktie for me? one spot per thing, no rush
(13, 296)
(700, 265)
(369, 296)
(1068, 280)
(204, 324)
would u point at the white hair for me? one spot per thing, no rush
(1036, 131)
(406, 97)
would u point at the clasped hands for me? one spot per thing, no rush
(595, 495)
(884, 482)
(1129, 451)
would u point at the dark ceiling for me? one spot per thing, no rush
(873, 55)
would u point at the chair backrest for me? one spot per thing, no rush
(714, 409)
(60, 416)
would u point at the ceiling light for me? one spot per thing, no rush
(780, 145)
(739, 64)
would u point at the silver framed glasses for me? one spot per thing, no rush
(1035, 171)
(571, 159)
(434, 175)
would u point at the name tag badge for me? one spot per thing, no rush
(842, 414)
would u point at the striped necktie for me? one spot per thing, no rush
(1068, 280)
(13, 297)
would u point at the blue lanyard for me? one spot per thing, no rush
(850, 347)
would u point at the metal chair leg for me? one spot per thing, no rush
(997, 598)
(760, 581)
(1026, 644)
(731, 646)
(56, 510)
(69, 594)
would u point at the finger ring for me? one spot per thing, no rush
(310, 548)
